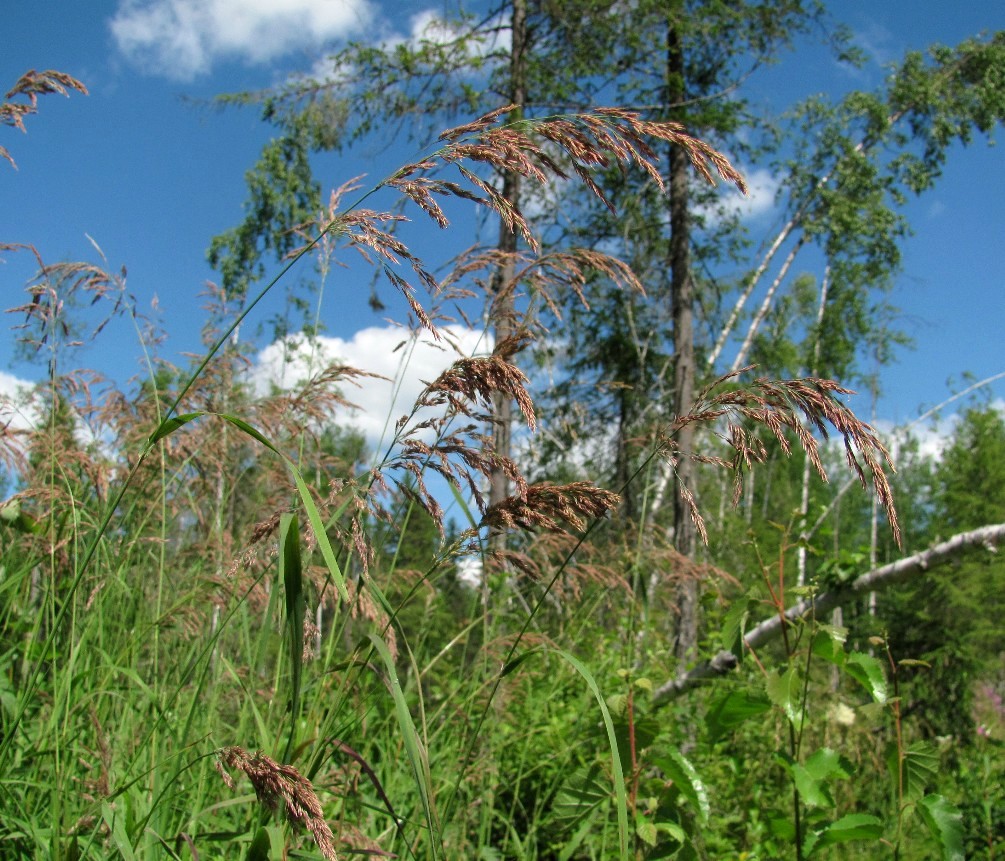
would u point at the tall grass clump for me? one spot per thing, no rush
(227, 630)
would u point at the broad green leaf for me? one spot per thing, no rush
(920, 767)
(115, 821)
(581, 794)
(734, 626)
(673, 831)
(945, 822)
(785, 690)
(782, 828)
(618, 704)
(868, 672)
(680, 770)
(645, 727)
(854, 826)
(828, 644)
(10, 512)
(828, 763)
(813, 776)
(261, 846)
(732, 709)
(645, 829)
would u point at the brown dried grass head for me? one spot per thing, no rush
(29, 87)
(797, 407)
(274, 783)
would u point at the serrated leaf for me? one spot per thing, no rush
(828, 645)
(868, 672)
(813, 776)
(920, 767)
(617, 703)
(673, 830)
(732, 709)
(680, 770)
(945, 822)
(829, 763)
(854, 826)
(734, 625)
(645, 830)
(785, 691)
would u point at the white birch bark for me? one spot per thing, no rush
(874, 580)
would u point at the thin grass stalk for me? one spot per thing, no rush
(518, 639)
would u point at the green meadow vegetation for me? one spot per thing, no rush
(603, 595)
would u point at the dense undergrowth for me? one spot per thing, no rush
(227, 630)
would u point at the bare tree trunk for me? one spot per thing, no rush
(682, 288)
(787, 230)
(502, 313)
(762, 312)
(879, 578)
(804, 499)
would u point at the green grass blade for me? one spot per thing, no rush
(620, 795)
(313, 515)
(413, 746)
(291, 572)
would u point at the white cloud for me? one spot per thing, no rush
(380, 350)
(933, 434)
(18, 410)
(762, 188)
(429, 26)
(182, 39)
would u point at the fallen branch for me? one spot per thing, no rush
(873, 581)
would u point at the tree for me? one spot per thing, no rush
(696, 65)
(842, 188)
(464, 64)
(954, 622)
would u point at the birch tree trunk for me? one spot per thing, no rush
(502, 313)
(682, 291)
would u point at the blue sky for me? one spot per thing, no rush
(151, 173)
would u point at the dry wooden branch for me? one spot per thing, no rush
(872, 581)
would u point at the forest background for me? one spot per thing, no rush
(558, 631)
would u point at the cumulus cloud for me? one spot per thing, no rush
(762, 187)
(389, 351)
(429, 26)
(18, 410)
(182, 39)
